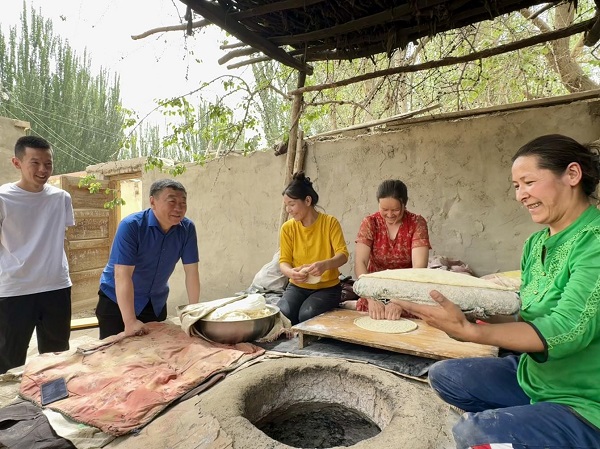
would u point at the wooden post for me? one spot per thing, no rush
(300, 152)
(293, 139)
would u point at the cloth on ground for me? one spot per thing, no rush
(122, 387)
(82, 436)
(403, 364)
(192, 313)
(24, 426)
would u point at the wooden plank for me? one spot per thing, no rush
(84, 323)
(273, 7)
(90, 224)
(84, 293)
(306, 339)
(425, 341)
(87, 254)
(384, 17)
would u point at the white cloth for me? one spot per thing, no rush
(32, 234)
(191, 313)
(82, 436)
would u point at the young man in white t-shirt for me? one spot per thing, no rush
(35, 288)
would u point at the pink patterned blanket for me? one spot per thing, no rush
(122, 386)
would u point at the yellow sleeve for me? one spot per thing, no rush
(338, 243)
(286, 244)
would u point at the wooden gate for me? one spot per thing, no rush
(88, 242)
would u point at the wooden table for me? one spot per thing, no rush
(425, 341)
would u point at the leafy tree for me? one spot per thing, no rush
(195, 133)
(555, 68)
(45, 82)
(543, 70)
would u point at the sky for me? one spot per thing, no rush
(156, 67)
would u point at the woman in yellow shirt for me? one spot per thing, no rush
(312, 249)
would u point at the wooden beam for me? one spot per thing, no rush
(388, 16)
(541, 38)
(382, 121)
(273, 7)
(217, 16)
(593, 35)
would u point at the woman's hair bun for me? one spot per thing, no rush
(300, 176)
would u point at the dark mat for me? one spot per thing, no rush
(325, 347)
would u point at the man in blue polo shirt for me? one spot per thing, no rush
(147, 246)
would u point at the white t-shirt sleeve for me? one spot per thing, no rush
(69, 214)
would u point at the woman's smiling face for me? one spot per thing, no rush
(546, 195)
(391, 210)
(298, 209)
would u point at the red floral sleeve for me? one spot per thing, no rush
(421, 234)
(365, 232)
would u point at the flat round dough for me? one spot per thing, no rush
(311, 279)
(386, 326)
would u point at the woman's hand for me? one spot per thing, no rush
(376, 309)
(299, 274)
(447, 316)
(393, 311)
(316, 268)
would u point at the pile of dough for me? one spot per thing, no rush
(414, 284)
(251, 307)
(386, 326)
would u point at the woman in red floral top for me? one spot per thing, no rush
(390, 239)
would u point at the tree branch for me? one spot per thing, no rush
(182, 26)
(545, 37)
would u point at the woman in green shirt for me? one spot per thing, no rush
(550, 395)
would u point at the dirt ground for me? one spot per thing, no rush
(407, 411)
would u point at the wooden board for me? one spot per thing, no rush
(425, 341)
(87, 244)
(84, 323)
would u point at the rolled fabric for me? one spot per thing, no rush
(470, 293)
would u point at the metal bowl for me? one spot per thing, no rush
(231, 332)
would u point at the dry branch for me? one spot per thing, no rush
(452, 60)
(232, 45)
(382, 121)
(182, 26)
(246, 51)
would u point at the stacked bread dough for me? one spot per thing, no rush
(414, 284)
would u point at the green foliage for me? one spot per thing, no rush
(94, 187)
(513, 77)
(43, 81)
(195, 134)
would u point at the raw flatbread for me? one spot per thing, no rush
(311, 279)
(414, 284)
(386, 326)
